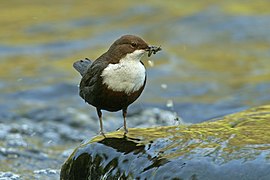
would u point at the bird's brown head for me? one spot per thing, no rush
(128, 44)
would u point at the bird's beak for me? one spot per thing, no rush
(148, 48)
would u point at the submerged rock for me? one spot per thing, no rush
(233, 147)
(9, 176)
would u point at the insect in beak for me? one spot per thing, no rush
(153, 49)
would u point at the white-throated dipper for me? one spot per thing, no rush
(117, 78)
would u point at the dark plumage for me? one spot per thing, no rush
(97, 86)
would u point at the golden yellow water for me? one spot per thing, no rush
(215, 53)
(40, 27)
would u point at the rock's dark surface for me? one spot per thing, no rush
(35, 143)
(234, 147)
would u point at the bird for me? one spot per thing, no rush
(115, 79)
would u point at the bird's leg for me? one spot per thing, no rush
(125, 123)
(100, 121)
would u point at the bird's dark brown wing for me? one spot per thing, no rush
(91, 80)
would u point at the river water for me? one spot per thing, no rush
(215, 60)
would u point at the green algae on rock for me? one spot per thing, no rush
(236, 146)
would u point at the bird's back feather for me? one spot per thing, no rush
(82, 65)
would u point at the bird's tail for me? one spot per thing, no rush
(82, 65)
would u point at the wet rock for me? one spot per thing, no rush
(46, 174)
(15, 140)
(9, 176)
(4, 130)
(149, 117)
(46, 171)
(37, 141)
(233, 147)
(156, 117)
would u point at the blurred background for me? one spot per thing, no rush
(215, 61)
(215, 57)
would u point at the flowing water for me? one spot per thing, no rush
(215, 60)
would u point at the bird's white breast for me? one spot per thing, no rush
(126, 76)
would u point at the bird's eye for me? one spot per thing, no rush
(133, 44)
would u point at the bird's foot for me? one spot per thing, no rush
(102, 133)
(125, 131)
